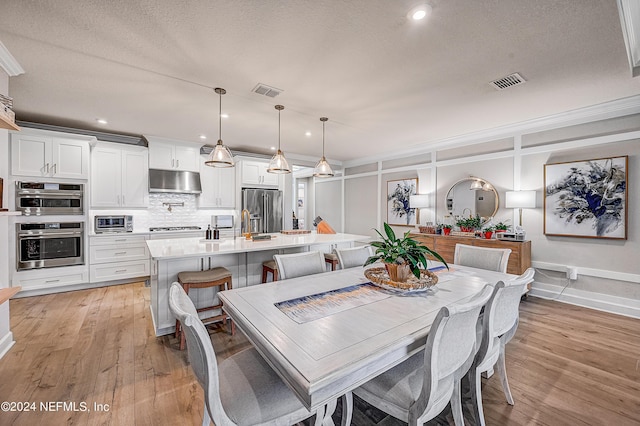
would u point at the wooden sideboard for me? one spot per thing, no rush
(445, 246)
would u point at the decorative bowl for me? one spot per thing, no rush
(380, 277)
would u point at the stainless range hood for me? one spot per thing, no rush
(174, 181)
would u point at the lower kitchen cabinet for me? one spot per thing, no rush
(46, 280)
(117, 257)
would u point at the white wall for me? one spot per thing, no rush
(513, 158)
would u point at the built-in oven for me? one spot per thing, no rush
(48, 245)
(107, 224)
(46, 198)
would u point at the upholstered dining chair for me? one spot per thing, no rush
(499, 324)
(419, 388)
(352, 257)
(299, 264)
(241, 390)
(487, 258)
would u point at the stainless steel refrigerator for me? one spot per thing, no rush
(265, 207)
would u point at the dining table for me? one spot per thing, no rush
(326, 334)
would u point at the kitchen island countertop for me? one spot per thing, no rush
(194, 247)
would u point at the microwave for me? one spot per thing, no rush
(106, 224)
(48, 198)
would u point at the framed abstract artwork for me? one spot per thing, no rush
(398, 211)
(586, 198)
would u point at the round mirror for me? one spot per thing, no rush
(470, 197)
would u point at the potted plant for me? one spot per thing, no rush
(488, 232)
(469, 224)
(401, 256)
(446, 229)
(501, 227)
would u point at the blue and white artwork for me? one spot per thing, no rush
(586, 198)
(398, 210)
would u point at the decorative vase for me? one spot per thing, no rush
(398, 273)
(488, 234)
(446, 231)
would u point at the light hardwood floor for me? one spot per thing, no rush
(567, 365)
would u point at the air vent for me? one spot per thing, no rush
(511, 80)
(263, 89)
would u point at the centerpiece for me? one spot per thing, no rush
(402, 258)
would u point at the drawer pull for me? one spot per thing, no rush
(52, 281)
(120, 252)
(120, 241)
(121, 271)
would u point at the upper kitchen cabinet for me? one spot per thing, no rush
(44, 155)
(172, 155)
(119, 176)
(254, 174)
(218, 186)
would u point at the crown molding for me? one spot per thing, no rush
(603, 111)
(9, 63)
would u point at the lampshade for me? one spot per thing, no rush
(279, 163)
(520, 200)
(476, 184)
(419, 201)
(221, 155)
(323, 169)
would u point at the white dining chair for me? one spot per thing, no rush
(299, 264)
(499, 324)
(419, 388)
(353, 257)
(241, 390)
(491, 259)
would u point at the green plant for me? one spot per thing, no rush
(501, 226)
(446, 226)
(489, 229)
(403, 251)
(469, 223)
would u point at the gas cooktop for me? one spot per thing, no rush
(174, 228)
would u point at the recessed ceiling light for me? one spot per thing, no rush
(203, 137)
(224, 115)
(102, 121)
(307, 134)
(419, 12)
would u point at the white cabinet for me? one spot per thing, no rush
(47, 280)
(254, 173)
(41, 155)
(218, 186)
(173, 156)
(119, 176)
(117, 257)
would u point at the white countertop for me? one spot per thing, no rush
(194, 247)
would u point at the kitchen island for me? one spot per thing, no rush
(243, 258)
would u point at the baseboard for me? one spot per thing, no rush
(587, 299)
(6, 343)
(25, 292)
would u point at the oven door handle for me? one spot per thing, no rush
(49, 195)
(45, 236)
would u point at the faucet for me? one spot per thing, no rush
(245, 226)
(466, 208)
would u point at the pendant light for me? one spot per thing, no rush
(323, 169)
(220, 156)
(278, 163)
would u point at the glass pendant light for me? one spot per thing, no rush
(278, 163)
(220, 156)
(323, 169)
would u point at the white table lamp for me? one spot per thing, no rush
(419, 201)
(520, 200)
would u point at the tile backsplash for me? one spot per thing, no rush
(157, 214)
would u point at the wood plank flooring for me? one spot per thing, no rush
(567, 366)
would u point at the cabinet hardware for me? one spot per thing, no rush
(119, 271)
(119, 253)
(55, 168)
(120, 241)
(178, 163)
(47, 168)
(173, 162)
(52, 281)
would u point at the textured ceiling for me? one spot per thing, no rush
(386, 83)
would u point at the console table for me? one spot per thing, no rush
(445, 246)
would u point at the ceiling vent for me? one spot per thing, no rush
(511, 80)
(263, 89)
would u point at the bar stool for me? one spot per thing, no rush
(217, 277)
(269, 266)
(331, 258)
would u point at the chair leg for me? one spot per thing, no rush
(319, 416)
(206, 420)
(474, 381)
(275, 275)
(347, 409)
(264, 275)
(502, 372)
(456, 405)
